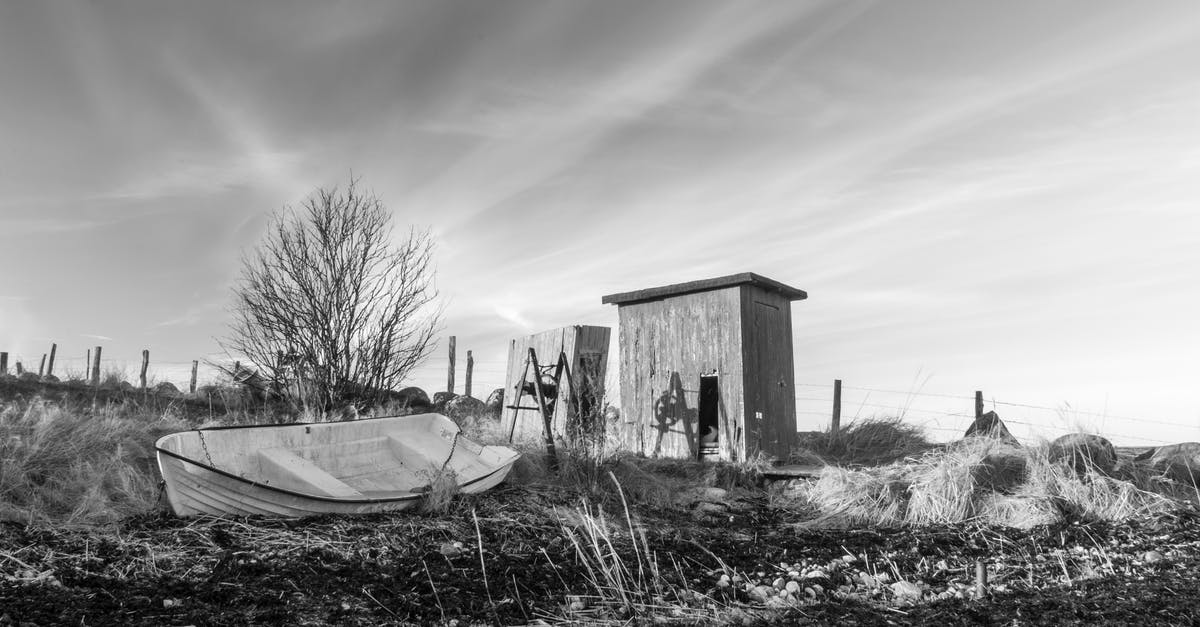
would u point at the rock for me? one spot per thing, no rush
(1081, 451)
(792, 587)
(466, 409)
(440, 399)
(1000, 471)
(50, 379)
(907, 590)
(451, 549)
(495, 402)
(411, 400)
(989, 425)
(1180, 462)
(1152, 557)
(166, 387)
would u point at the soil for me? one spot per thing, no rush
(513, 556)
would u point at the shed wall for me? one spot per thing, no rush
(769, 374)
(665, 346)
(587, 354)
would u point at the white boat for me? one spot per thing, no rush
(354, 467)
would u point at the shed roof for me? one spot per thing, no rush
(705, 285)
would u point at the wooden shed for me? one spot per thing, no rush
(586, 348)
(706, 368)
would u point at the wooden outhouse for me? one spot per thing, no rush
(706, 368)
(586, 349)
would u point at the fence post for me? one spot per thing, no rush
(978, 404)
(87, 366)
(3, 364)
(20, 369)
(836, 424)
(50, 366)
(145, 364)
(470, 367)
(42, 367)
(96, 367)
(450, 374)
(192, 385)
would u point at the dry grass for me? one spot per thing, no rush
(978, 480)
(870, 442)
(70, 466)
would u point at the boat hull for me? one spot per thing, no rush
(311, 469)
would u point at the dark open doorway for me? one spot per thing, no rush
(709, 427)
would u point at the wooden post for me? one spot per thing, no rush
(20, 369)
(145, 364)
(450, 374)
(470, 367)
(3, 364)
(50, 365)
(87, 366)
(981, 579)
(42, 367)
(96, 367)
(978, 404)
(192, 385)
(836, 424)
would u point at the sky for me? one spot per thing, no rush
(976, 196)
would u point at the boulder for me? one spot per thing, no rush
(50, 379)
(989, 425)
(166, 387)
(409, 400)
(440, 399)
(466, 409)
(1081, 451)
(1180, 462)
(495, 402)
(1000, 471)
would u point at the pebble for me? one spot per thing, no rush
(906, 590)
(1151, 557)
(792, 587)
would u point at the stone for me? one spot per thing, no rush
(466, 409)
(907, 590)
(990, 425)
(166, 387)
(1180, 462)
(1152, 557)
(440, 399)
(411, 399)
(50, 379)
(1081, 451)
(495, 402)
(1000, 471)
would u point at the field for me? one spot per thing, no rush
(610, 539)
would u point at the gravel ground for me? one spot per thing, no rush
(539, 556)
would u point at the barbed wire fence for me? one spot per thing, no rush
(947, 416)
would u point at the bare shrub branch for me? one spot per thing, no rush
(331, 308)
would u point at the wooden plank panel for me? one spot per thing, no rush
(666, 345)
(586, 347)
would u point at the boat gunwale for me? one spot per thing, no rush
(409, 497)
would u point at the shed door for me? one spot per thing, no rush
(769, 369)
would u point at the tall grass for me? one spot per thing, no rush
(978, 480)
(869, 441)
(67, 465)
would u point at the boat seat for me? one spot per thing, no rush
(284, 469)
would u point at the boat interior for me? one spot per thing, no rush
(366, 459)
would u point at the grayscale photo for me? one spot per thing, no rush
(599, 312)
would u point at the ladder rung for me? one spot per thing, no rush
(521, 407)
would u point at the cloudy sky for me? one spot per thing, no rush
(996, 196)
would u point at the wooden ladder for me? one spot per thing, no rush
(545, 395)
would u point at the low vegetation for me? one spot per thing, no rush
(892, 527)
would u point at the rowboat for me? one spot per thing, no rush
(354, 467)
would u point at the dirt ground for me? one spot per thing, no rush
(519, 555)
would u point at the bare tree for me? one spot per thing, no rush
(331, 308)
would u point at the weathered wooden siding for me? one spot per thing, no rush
(665, 345)
(587, 353)
(769, 379)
